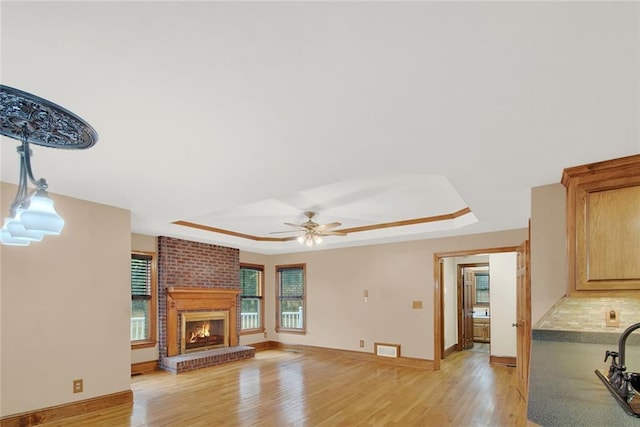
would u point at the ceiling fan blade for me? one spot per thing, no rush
(294, 225)
(283, 232)
(330, 225)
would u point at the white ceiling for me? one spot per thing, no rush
(243, 115)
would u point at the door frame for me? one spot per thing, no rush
(438, 294)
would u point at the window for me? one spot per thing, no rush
(482, 288)
(252, 304)
(290, 282)
(143, 299)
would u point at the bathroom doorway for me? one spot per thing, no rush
(474, 315)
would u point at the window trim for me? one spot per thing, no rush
(280, 329)
(262, 327)
(153, 311)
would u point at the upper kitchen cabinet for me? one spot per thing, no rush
(603, 225)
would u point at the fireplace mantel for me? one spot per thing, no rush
(185, 299)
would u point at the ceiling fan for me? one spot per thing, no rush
(312, 231)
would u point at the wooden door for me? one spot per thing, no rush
(468, 281)
(523, 318)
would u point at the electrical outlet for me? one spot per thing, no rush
(612, 318)
(361, 343)
(77, 386)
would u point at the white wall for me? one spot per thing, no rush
(65, 308)
(450, 307)
(502, 293)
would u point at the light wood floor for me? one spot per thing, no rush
(283, 388)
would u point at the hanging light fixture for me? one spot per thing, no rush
(310, 238)
(31, 119)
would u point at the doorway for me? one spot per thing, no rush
(473, 306)
(439, 298)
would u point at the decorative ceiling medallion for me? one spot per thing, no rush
(43, 122)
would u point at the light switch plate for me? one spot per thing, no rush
(612, 318)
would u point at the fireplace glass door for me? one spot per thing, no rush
(204, 331)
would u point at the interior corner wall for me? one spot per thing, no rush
(65, 309)
(549, 274)
(394, 274)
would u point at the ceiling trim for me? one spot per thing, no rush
(444, 217)
(232, 233)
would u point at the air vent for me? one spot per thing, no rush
(387, 350)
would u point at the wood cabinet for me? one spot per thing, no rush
(481, 329)
(603, 225)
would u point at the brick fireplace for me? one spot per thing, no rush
(198, 281)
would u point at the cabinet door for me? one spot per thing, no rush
(478, 332)
(603, 225)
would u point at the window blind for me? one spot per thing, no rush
(140, 276)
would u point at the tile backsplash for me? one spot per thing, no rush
(588, 314)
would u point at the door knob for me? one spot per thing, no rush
(515, 325)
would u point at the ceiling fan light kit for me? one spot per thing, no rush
(312, 231)
(309, 238)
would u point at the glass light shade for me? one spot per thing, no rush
(317, 239)
(7, 239)
(41, 216)
(300, 239)
(16, 228)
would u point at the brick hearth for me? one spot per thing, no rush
(204, 359)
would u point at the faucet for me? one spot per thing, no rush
(622, 382)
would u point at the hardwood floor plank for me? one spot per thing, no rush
(284, 388)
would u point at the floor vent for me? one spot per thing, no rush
(387, 350)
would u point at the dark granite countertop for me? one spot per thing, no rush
(563, 387)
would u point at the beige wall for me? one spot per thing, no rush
(394, 274)
(65, 308)
(140, 242)
(549, 274)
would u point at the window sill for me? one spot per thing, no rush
(135, 345)
(291, 331)
(252, 331)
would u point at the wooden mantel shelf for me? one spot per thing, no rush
(206, 299)
(182, 293)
